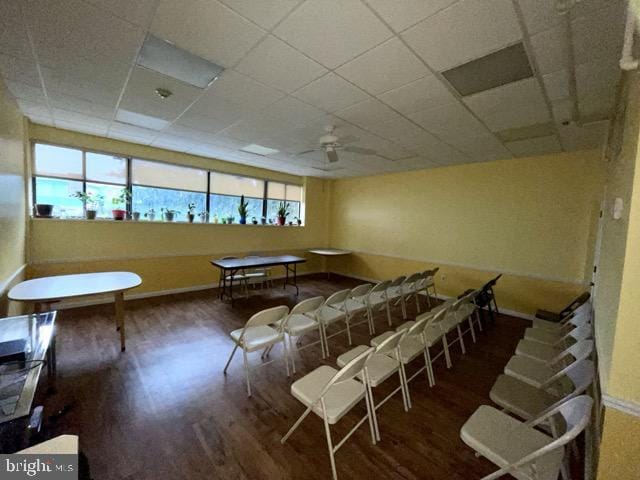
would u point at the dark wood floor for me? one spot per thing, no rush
(164, 409)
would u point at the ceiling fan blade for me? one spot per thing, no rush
(332, 155)
(305, 152)
(360, 150)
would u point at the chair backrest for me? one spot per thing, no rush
(398, 281)
(380, 287)
(434, 271)
(360, 290)
(414, 277)
(390, 343)
(581, 375)
(269, 316)
(579, 351)
(417, 328)
(338, 297)
(308, 305)
(582, 332)
(350, 370)
(575, 303)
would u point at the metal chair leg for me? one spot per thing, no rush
(230, 357)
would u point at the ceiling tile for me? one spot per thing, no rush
(467, 30)
(34, 109)
(550, 50)
(427, 92)
(66, 31)
(330, 93)
(482, 148)
(81, 127)
(276, 64)
(535, 146)
(562, 110)
(25, 92)
(556, 84)
(449, 122)
(265, 13)
(383, 68)
(80, 122)
(369, 112)
(514, 105)
(140, 96)
(19, 70)
(599, 77)
(333, 32)
(540, 15)
(13, 34)
(254, 129)
(138, 12)
(574, 137)
(292, 111)
(600, 34)
(396, 129)
(402, 15)
(206, 28)
(75, 104)
(205, 123)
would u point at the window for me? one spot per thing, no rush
(225, 196)
(61, 172)
(157, 186)
(279, 192)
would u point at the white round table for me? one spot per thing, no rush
(47, 290)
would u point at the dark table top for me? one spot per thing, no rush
(255, 262)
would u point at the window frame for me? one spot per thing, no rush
(128, 185)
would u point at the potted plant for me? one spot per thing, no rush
(298, 221)
(150, 214)
(263, 220)
(169, 214)
(283, 211)
(135, 216)
(120, 201)
(191, 212)
(230, 219)
(204, 216)
(243, 210)
(254, 220)
(90, 203)
(215, 217)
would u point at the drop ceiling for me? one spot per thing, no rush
(372, 68)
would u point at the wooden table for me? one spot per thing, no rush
(231, 267)
(329, 252)
(47, 290)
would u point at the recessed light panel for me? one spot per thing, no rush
(140, 120)
(258, 149)
(499, 68)
(166, 58)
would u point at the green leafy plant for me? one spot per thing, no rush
(243, 208)
(191, 208)
(169, 211)
(150, 213)
(89, 199)
(283, 209)
(121, 198)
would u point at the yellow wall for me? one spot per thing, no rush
(533, 219)
(620, 448)
(12, 196)
(168, 256)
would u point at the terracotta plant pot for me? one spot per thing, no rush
(282, 220)
(119, 214)
(91, 214)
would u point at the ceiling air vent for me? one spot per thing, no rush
(499, 68)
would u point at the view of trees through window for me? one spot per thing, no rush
(154, 187)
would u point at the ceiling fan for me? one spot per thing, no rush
(330, 143)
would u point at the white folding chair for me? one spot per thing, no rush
(526, 402)
(541, 375)
(520, 450)
(394, 294)
(258, 334)
(409, 289)
(552, 337)
(545, 353)
(331, 394)
(430, 284)
(255, 276)
(584, 309)
(450, 322)
(238, 277)
(298, 324)
(330, 312)
(382, 364)
(356, 302)
(376, 299)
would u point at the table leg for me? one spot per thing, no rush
(286, 279)
(231, 286)
(295, 278)
(120, 318)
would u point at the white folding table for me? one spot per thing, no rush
(47, 290)
(329, 252)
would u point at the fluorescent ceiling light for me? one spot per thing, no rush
(258, 149)
(140, 120)
(166, 58)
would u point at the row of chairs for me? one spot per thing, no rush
(249, 276)
(331, 393)
(270, 327)
(543, 398)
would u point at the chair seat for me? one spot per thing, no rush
(546, 324)
(340, 398)
(393, 293)
(353, 306)
(405, 325)
(446, 304)
(377, 298)
(256, 337)
(540, 352)
(543, 336)
(433, 334)
(465, 311)
(375, 341)
(379, 366)
(520, 398)
(299, 323)
(505, 440)
(449, 322)
(327, 314)
(529, 371)
(410, 347)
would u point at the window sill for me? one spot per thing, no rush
(157, 222)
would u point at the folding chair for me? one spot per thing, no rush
(394, 293)
(553, 337)
(582, 310)
(558, 316)
(520, 450)
(258, 334)
(241, 278)
(409, 289)
(298, 324)
(356, 302)
(543, 352)
(376, 298)
(330, 312)
(331, 394)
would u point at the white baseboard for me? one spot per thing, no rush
(101, 300)
(506, 311)
(625, 406)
